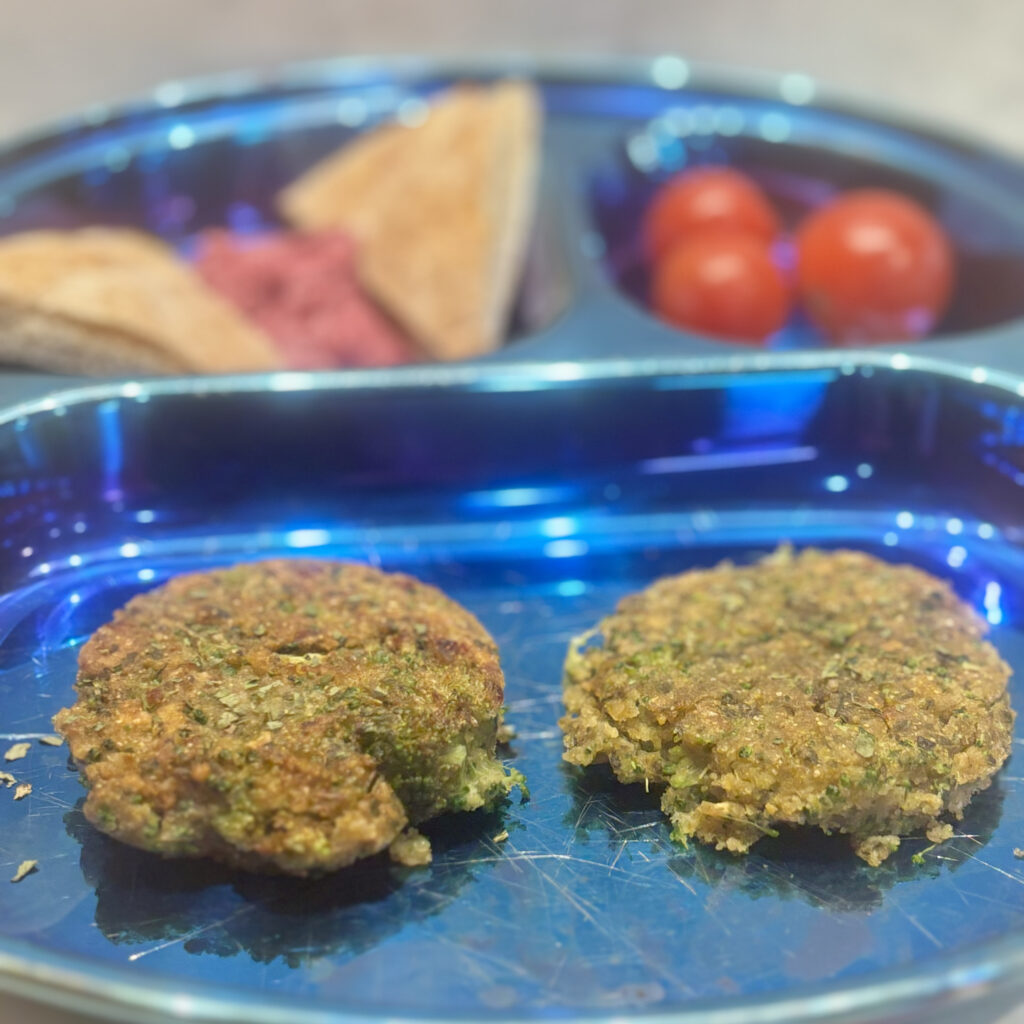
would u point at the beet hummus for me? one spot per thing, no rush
(303, 291)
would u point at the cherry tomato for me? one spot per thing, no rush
(722, 283)
(703, 198)
(873, 266)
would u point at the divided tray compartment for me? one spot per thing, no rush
(215, 153)
(537, 502)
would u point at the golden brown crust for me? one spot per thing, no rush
(827, 689)
(104, 300)
(290, 715)
(442, 212)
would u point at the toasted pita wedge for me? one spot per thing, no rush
(107, 301)
(442, 212)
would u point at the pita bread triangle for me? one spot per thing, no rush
(441, 211)
(109, 301)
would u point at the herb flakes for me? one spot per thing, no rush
(864, 744)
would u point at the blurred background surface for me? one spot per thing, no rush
(955, 61)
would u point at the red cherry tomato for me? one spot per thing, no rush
(873, 266)
(704, 198)
(721, 283)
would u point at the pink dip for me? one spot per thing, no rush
(303, 291)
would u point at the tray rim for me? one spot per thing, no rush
(46, 393)
(73, 982)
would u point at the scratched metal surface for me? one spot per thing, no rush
(586, 909)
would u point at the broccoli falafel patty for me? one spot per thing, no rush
(286, 716)
(824, 689)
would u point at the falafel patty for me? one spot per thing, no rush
(825, 689)
(286, 716)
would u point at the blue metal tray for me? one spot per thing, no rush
(584, 459)
(536, 494)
